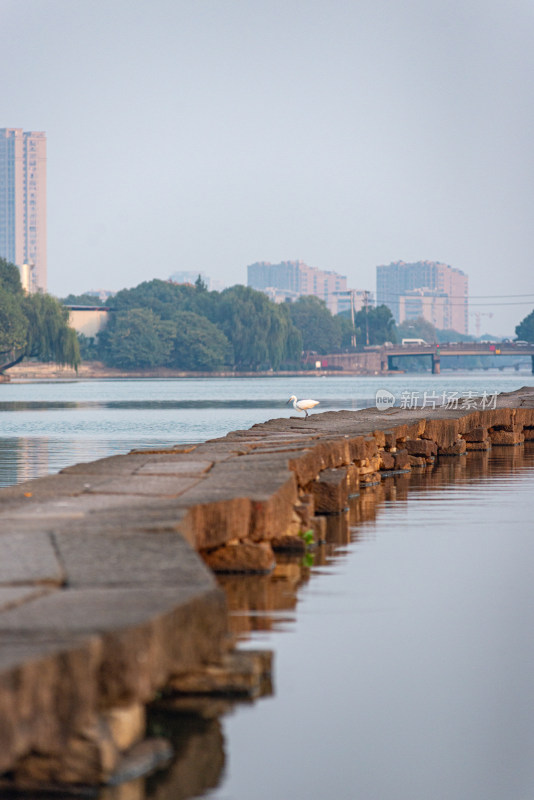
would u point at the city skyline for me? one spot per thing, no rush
(344, 135)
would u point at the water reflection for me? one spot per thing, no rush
(267, 605)
(381, 732)
(199, 763)
(24, 458)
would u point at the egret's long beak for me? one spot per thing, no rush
(288, 402)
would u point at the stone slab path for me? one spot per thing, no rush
(104, 599)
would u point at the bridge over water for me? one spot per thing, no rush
(438, 351)
(387, 358)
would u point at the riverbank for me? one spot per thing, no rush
(96, 370)
(117, 606)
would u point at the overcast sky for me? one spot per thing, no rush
(209, 134)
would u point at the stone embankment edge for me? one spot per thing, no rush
(105, 602)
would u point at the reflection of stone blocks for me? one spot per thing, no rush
(484, 445)
(318, 526)
(417, 461)
(511, 435)
(353, 479)
(241, 557)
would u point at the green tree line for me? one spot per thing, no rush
(186, 327)
(33, 325)
(189, 328)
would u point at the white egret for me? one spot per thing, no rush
(302, 405)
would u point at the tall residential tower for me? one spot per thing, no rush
(428, 289)
(292, 279)
(23, 202)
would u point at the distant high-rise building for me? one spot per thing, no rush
(292, 279)
(435, 291)
(23, 202)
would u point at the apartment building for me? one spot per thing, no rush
(435, 291)
(289, 280)
(23, 203)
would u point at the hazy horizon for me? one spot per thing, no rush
(209, 134)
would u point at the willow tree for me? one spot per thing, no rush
(13, 324)
(33, 325)
(260, 331)
(49, 336)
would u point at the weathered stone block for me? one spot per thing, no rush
(239, 672)
(368, 466)
(147, 485)
(358, 448)
(387, 460)
(127, 724)
(330, 491)
(175, 466)
(48, 690)
(502, 417)
(444, 432)
(456, 449)
(421, 447)
(29, 558)
(524, 416)
(390, 439)
(212, 522)
(89, 757)
(273, 514)
(402, 459)
(478, 434)
(380, 438)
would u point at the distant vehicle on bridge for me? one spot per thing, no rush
(413, 341)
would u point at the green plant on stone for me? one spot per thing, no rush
(307, 536)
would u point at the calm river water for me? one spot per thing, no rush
(404, 655)
(46, 426)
